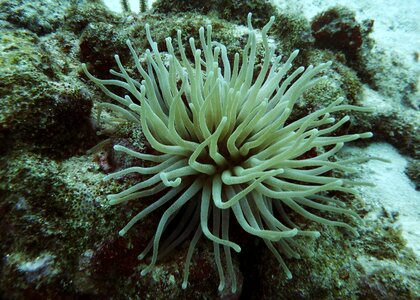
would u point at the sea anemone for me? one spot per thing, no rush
(224, 149)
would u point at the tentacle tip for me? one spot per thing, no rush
(122, 232)
(237, 248)
(278, 171)
(295, 231)
(366, 135)
(176, 182)
(113, 202)
(134, 107)
(184, 285)
(339, 182)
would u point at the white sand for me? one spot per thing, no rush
(397, 23)
(393, 191)
(396, 32)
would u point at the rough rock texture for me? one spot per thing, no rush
(58, 235)
(231, 10)
(43, 106)
(39, 16)
(337, 29)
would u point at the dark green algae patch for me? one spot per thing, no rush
(59, 237)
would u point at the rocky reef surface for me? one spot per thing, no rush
(59, 235)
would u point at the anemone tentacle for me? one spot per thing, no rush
(225, 149)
